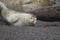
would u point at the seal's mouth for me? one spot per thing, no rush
(35, 20)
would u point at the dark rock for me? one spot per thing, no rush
(48, 13)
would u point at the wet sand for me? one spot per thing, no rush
(41, 31)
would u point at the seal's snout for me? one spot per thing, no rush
(35, 20)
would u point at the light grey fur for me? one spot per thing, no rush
(17, 18)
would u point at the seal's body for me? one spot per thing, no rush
(17, 18)
(27, 5)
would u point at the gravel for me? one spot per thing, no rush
(41, 31)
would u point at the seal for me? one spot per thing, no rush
(17, 18)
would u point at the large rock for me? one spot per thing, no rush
(48, 14)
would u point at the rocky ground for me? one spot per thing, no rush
(41, 31)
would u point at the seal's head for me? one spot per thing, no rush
(22, 19)
(29, 19)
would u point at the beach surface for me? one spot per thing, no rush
(41, 31)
